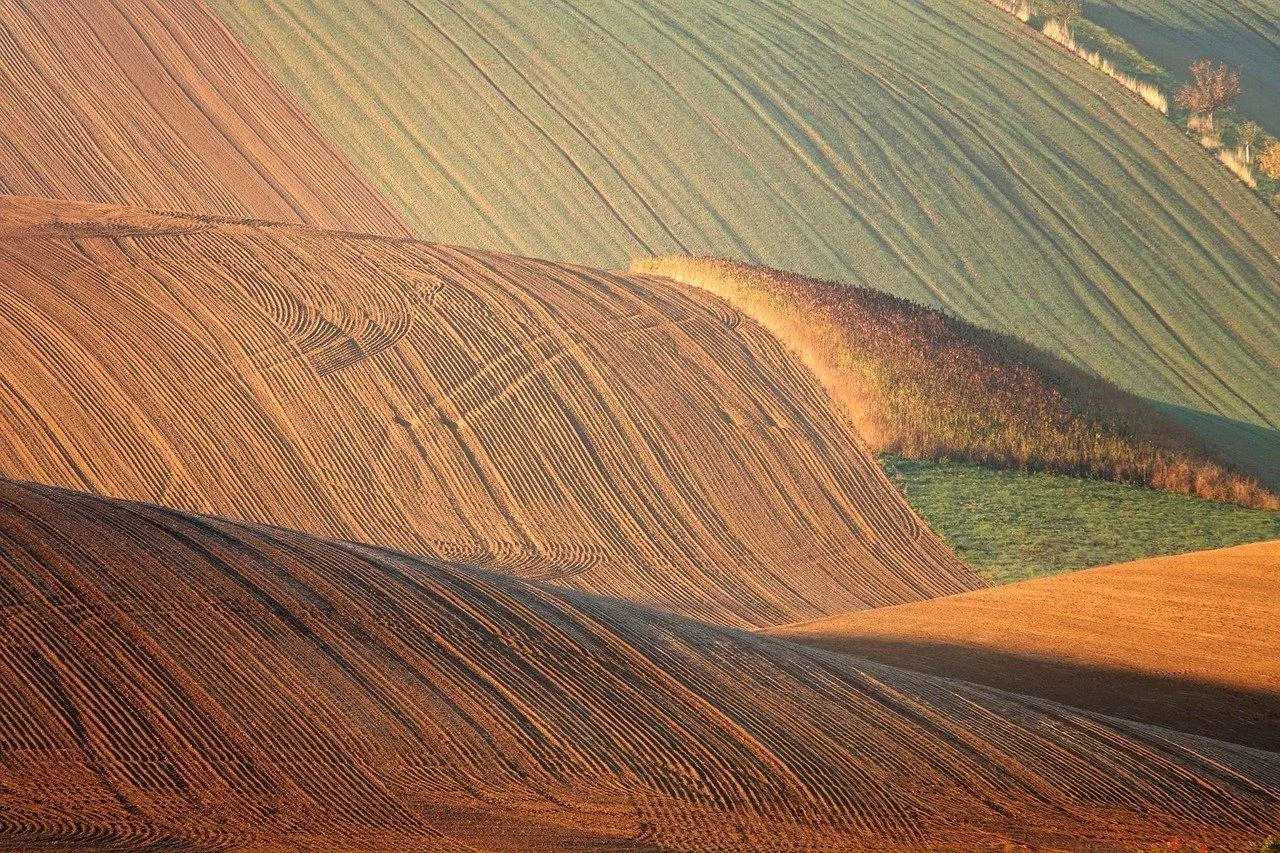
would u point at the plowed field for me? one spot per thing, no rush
(614, 433)
(172, 680)
(1185, 641)
(153, 103)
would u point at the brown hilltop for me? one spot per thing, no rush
(1186, 641)
(178, 680)
(615, 433)
(155, 104)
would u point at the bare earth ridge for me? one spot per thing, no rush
(1185, 641)
(180, 680)
(155, 104)
(615, 433)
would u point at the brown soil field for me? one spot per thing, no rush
(1185, 641)
(175, 680)
(155, 104)
(619, 434)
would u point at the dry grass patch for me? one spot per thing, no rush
(923, 384)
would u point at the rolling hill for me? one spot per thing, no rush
(1175, 33)
(175, 680)
(155, 104)
(614, 433)
(1183, 641)
(920, 383)
(933, 149)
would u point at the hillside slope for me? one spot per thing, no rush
(155, 104)
(177, 680)
(1184, 641)
(618, 434)
(921, 383)
(1175, 33)
(930, 148)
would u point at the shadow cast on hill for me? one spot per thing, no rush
(1238, 715)
(1253, 449)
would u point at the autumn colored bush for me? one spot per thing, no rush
(917, 382)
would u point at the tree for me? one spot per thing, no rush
(1269, 160)
(1249, 135)
(1211, 88)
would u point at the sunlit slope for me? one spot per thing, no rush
(918, 382)
(933, 149)
(155, 104)
(1175, 33)
(172, 679)
(1185, 641)
(615, 433)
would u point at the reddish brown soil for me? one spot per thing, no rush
(171, 679)
(155, 104)
(1186, 641)
(618, 434)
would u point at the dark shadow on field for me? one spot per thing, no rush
(1227, 713)
(1252, 449)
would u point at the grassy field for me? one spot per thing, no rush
(930, 148)
(1012, 526)
(1175, 33)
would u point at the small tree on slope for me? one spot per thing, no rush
(1249, 135)
(1211, 88)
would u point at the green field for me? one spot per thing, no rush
(1175, 33)
(935, 149)
(1012, 526)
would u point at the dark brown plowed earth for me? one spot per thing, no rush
(171, 679)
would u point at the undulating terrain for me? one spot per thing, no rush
(1243, 33)
(326, 523)
(152, 103)
(175, 680)
(615, 433)
(935, 149)
(918, 382)
(1186, 641)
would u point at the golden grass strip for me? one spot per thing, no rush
(920, 383)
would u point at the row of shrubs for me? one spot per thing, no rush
(923, 384)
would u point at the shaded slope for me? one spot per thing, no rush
(930, 149)
(615, 433)
(155, 104)
(169, 679)
(1175, 33)
(921, 383)
(1185, 641)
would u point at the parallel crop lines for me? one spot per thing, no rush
(603, 431)
(257, 687)
(927, 149)
(155, 104)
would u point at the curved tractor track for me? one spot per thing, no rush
(933, 149)
(153, 103)
(179, 680)
(614, 433)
